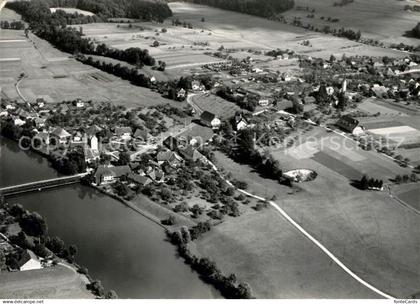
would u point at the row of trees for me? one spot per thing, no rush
(262, 8)
(134, 55)
(249, 102)
(13, 25)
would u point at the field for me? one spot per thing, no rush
(56, 76)
(409, 194)
(48, 283)
(234, 30)
(186, 50)
(391, 21)
(364, 229)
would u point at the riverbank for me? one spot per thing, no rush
(53, 273)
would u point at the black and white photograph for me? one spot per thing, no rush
(209, 150)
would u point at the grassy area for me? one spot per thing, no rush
(57, 77)
(366, 230)
(48, 283)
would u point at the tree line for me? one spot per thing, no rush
(228, 286)
(261, 8)
(137, 9)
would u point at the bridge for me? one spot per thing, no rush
(43, 184)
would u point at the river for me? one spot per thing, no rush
(124, 250)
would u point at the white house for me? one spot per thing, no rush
(80, 103)
(29, 261)
(19, 122)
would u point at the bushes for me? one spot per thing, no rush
(199, 229)
(227, 285)
(369, 183)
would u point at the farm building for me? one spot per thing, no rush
(349, 124)
(210, 120)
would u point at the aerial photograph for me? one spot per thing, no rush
(209, 150)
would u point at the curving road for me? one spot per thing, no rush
(308, 236)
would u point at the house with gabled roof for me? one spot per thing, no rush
(29, 261)
(141, 135)
(61, 135)
(191, 154)
(139, 179)
(350, 125)
(109, 175)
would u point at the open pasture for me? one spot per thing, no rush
(408, 193)
(373, 106)
(262, 249)
(391, 20)
(365, 229)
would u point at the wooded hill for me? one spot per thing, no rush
(262, 8)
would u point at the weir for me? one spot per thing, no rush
(40, 185)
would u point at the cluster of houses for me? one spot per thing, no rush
(161, 163)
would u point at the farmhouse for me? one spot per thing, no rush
(349, 124)
(29, 261)
(139, 179)
(61, 135)
(240, 122)
(191, 154)
(108, 175)
(210, 120)
(169, 157)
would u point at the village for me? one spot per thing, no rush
(211, 146)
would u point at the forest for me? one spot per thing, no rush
(261, 8)
(157, 10)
